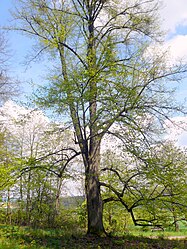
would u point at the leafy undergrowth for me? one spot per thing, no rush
(27, 238)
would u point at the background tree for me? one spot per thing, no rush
(106, 74)
(33, 165)
(150, 187)
(8, 86)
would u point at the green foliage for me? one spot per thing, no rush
(82, 214)
(150, 186)
(8, 162)
(116, 219)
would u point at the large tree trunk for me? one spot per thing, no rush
(94, 205)
(93, 195)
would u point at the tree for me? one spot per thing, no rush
(8, 87)
(6, 162)
(106, 74)
(36, 180)
(150, 186)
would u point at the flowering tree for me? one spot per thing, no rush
(34, 166)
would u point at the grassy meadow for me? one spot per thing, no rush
(15, 237)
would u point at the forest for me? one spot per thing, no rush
(87, 161)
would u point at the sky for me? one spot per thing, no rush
(173, 20)
(20, 48)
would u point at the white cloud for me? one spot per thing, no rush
(174, 50)
(174, 14)
(177, 47)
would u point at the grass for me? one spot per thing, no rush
(137, 231)
(14, 237)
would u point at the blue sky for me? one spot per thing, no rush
(173, 19)
(20, 47)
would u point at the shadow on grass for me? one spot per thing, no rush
(18, 238)
(126, 242)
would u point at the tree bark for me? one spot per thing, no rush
(93, 194)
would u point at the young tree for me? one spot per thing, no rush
(106, 74)
(7, 160)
